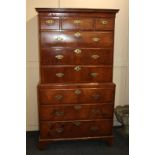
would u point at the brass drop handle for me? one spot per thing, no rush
(59, 38)
(59, 130)
(77, 107)
(104, 22)
(59, 75)
(58, 97)
(77, 34)
(94, 128)
(96, 96)
(59, 57)
(49, 22)
(77, 123)
(58, 113)
(94, 74)
(77, 21)
(77, 51)
(77, 92)
(77, 68)
(96, 39)
(95, 56)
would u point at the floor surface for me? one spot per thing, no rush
(89, 147)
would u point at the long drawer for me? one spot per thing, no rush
(76, 74)
(73, 129)
(76, 111)
(77, 39)
(76, 56)
(76, 95)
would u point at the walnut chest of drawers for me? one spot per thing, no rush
(76, 93)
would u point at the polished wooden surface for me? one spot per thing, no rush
(50, 74)
(75, 111)
(72, 129)
(77, 23)
(72, 39)
(77, 10)
(76, 93)
(76, 56)
(50, 23)
(69, 95)
(74, 23)
(106, 85)
(104, 24)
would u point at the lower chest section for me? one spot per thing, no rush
(75, 110)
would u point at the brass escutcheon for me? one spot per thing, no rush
(104, 22)
(94, 74)
(59, 57)
(77, 21)
(59, 130)
(77, 51)
(95, 56)
(58, 97)
(96, 39)
(77, 68)
(49, 22)
(77, 123)
(59, 38)
(77, 92)
(77, 34)
(59, 75)
(58, 113)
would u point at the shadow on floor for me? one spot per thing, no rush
(94, 147)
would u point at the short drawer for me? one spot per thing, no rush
(75, 95)
(76, 111)
(79, 56)
(50, 23)
(77, 39)
(77, 24)
(79, 74)
(73, 129)
(104, 24)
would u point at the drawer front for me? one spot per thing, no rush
(75, 74)
(73, 129)
(104, 24)
(77, 39)
(75, 112)
(78, 95)
(73, 56)
(77, 24)
(50, 23)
